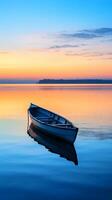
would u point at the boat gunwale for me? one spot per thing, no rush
(52, 125)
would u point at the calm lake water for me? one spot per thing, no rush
(29, 171)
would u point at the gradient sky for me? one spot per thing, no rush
(55, 39)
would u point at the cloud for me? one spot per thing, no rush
(89, 33)
(105, 55)
(80, 35)
(63, 46)
(101, 31)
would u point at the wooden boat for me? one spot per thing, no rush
(52, 123)
(55, 145)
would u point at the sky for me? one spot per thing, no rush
(55, 39)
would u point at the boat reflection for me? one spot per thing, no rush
(54, 145)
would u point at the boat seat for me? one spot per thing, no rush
(42, 118)
(66, 125)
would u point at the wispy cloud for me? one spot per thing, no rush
(101, 31)
(88, 43)
(105, 55)
(89, 33)
(80, 35)
(63, 46)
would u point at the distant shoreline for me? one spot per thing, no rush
(75, 81)
(59, 81)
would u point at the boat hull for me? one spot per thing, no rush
(68, 135)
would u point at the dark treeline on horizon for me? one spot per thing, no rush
(75, 81)
(56, 81)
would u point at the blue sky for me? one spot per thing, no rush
(74, 28)
(25, 17)
(46, 15)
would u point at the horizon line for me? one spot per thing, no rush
(51, 80)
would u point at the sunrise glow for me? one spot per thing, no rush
(32, 48)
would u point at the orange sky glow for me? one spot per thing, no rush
(47, 39)
(50, 64)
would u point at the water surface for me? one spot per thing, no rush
(29, 171)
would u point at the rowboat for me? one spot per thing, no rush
(54, 145)
(52, 123)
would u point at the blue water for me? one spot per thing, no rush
(29, 171)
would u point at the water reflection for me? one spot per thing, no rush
(88, 87)
(54, 145)
(102, 133)
(89, 107)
